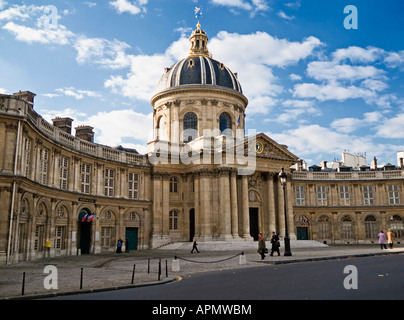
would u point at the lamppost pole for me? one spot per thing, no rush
(283, 180)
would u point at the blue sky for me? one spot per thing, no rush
(312, 84)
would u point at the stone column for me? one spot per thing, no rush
(205, 211)
(271, 204)
(166, 203)
(225, 208)
(234, 207)
(245, 209)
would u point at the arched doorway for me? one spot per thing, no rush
(84, 230)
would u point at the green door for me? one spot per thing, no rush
(131, 235)
(302, 233)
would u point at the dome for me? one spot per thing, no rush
(198, 71)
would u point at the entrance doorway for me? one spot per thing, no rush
(191, 224)
(302, 233)
(131, 235)
(84, 230)
(254, 223)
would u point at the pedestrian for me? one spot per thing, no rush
(126, 245)
(194, 247)
(382, 240)
(390, 238)
(261, 246)
(275, 244)
(119, 246)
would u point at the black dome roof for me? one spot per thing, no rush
(198, 71)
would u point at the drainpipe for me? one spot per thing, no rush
(17, 150)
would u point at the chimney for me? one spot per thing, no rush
(373, 165)
(324, 164)
(64, 124)
(85, 132)
(300, 164)
(401, 163)
(26, 95)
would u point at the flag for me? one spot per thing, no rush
(90, 217)
(84, 217)
(238, 122)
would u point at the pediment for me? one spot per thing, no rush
(265, 147)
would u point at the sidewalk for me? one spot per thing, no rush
(111, 271)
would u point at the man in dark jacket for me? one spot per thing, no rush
(275, 244)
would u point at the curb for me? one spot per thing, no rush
(84, 291)
(348, 256)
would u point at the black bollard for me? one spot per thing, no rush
(159, 272)
(148, 265)
(166, 270)
(81, 279)
(133, 273)
(23, 283)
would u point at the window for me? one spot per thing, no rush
(43, 169)
(190, 127)
(347, 228)
(397, 226)
(324, 227)
(63, 171)
(300, 195)
(133, 185)
(60, 237)
(38, 240)
(173, 184)
(368, 195)
(161, 129)
(371, 229)
(27, 156)
(225, 124)
(106, 236)
(394, 198)
(85, 178)
(344, 195)
(321, 196)
(109, 182)
(173, 221)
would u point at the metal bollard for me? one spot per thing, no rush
(133, 273)
(166, 270)
(148, 265)
(159, 272)
(23, 283)
(81, 279)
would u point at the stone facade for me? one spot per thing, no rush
(202, 177)
(348, 207)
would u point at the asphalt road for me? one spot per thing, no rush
(367, 278)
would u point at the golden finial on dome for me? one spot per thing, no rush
(198, 39)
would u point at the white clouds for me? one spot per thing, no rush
(132, 7)
(114, 127)
(107, 54)
(60, 35)
(253, 7)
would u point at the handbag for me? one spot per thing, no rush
(278, 244)
(265, 250)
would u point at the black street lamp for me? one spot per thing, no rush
(283, 178)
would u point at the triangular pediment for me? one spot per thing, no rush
(265, 147)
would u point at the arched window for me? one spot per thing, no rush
(224, 124)
(173, 184)
(190, 127)
(397, 226)
(371, 229)
(173, 220)
(161, 129)
(347, 228)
